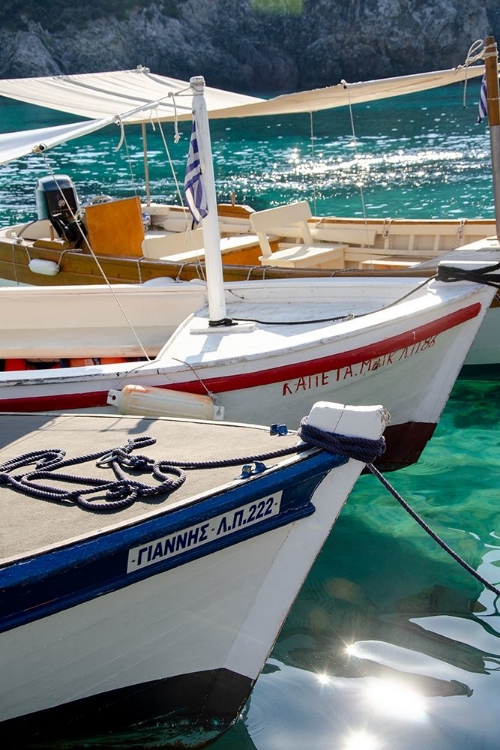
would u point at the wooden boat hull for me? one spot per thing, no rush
(412, 240)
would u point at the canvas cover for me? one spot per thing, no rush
(139, 96)
(97, 95)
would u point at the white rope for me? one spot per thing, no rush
(171, 164)
(177, 136)
(472, 58)
(313, 157)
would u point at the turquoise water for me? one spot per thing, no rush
(415, 156)
(390, 644)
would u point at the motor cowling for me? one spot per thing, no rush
(56, 196)
(57, 201)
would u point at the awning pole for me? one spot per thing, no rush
(146, 164)
(491, 70)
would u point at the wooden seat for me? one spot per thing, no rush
(157, 244)
(292, 221)
(324, 232)
(388, 263)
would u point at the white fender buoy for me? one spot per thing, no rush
(145, 401)
(45, 267)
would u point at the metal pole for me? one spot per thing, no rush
(210, 224)
(491, 71)
(146, 164)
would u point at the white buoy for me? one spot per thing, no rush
(350, 421)
(162, 402)
(45, 267)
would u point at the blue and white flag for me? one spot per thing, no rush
(193, 182)
(483, 102)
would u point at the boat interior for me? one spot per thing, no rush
(287, 237)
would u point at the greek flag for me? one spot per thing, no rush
(193, 183)
(483, 102)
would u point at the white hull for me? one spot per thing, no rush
(406, 356)
(485, 349)
(93, 321)
(138, 623)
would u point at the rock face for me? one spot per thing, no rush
(249, 45)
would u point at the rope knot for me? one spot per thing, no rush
(119, 490)
(140, 463)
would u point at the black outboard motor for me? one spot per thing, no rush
(57, 201)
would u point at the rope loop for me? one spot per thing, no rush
(361, 449)
(478, 275)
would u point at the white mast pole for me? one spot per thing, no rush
(210, 224)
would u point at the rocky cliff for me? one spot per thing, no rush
(244, 45)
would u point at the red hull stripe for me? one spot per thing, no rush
(260, 377)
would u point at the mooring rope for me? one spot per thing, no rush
(477, 275)
(430, 532)
(342, 444)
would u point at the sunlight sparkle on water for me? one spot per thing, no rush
(323, 679)
(393, 699)
(360, 741)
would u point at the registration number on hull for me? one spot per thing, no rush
(202, 533)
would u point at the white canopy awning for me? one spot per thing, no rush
(97, 95)
(15, 145)
(135, 96)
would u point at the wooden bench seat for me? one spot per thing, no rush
(292, 221)
(388, 263)
(306, 256)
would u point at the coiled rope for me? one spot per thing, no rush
(123, 490)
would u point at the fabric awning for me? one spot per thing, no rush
(15, 145)
(138, 96)
(97, 95)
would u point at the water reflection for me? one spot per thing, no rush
(360, 741)
(390, 640)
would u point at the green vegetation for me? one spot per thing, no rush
(279, 7)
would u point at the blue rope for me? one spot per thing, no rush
(361, 449)
(119, 493)
(123, 491)
(367, 451)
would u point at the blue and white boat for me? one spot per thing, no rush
(147, 624)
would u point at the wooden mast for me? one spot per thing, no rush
(491, 71)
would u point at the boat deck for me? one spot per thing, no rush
(30, 524)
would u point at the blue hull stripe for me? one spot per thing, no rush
(56, 580)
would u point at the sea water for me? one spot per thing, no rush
(391, 644)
